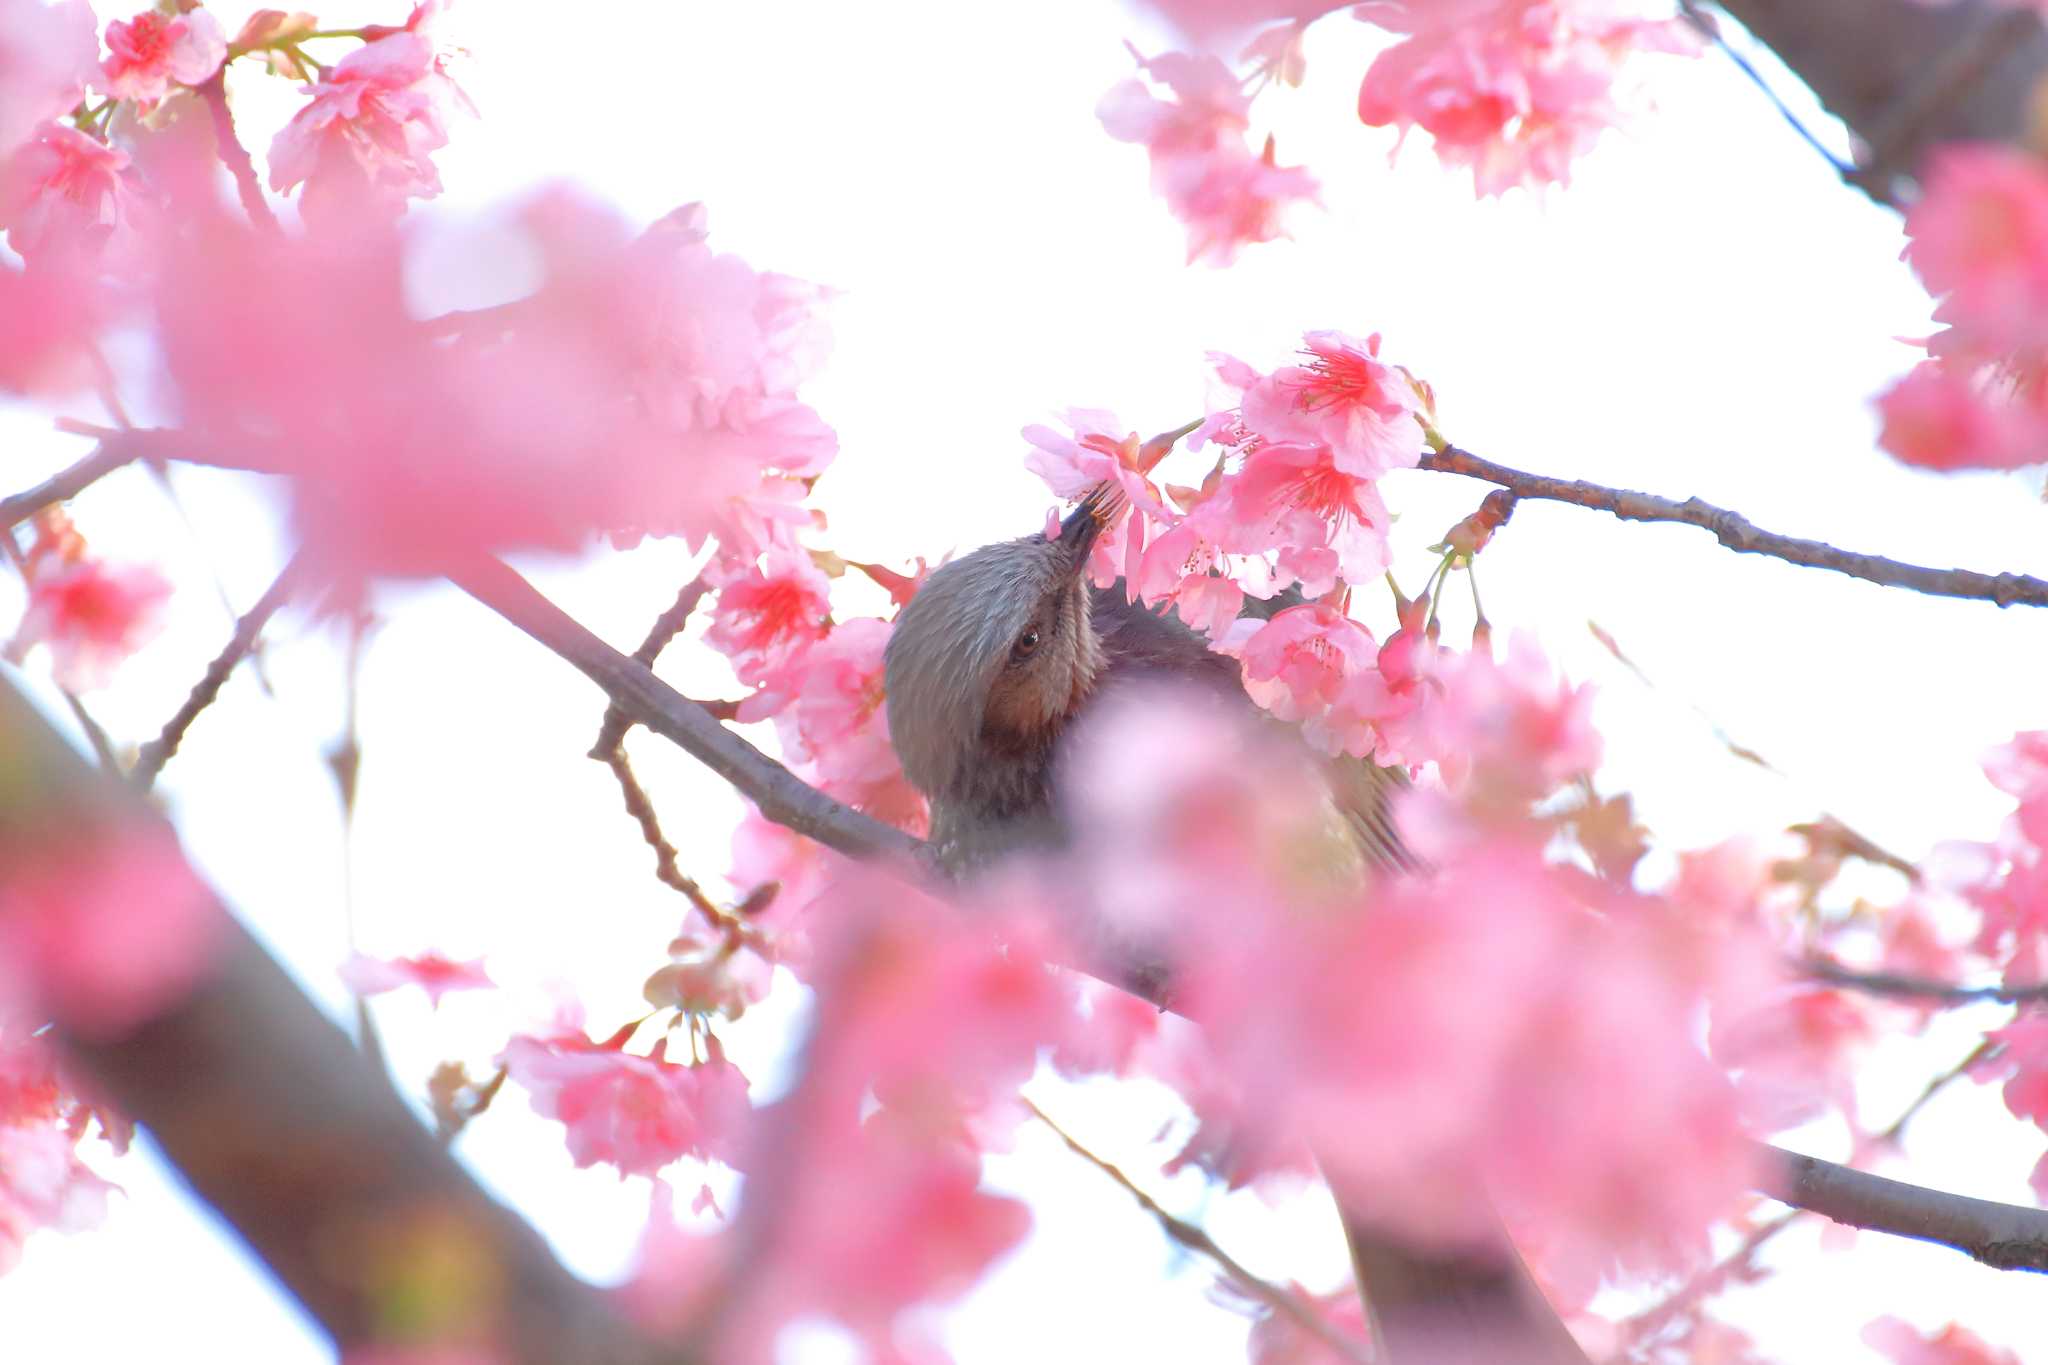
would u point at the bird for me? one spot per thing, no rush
(991, 670)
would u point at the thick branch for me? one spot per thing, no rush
(1905, 75)
(1737, 533)
(782, 796)
(2005, 1236)
(278, 1123)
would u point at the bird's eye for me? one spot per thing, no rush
(1026, 644)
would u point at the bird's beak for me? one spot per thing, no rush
(1099, 507)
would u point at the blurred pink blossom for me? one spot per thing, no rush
(53, 315)
(636, 1113)
(1978, 237)
(66, 194)
(102, 928)
(1301, 665)
(91, 615)
(146, 55)
(47, 54)
(1904, 1344)
(1228, 196)
(431, 972)
(1948, 414)
(1517, 90)
(43, 1184)
(828, 709)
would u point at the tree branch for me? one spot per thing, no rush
(1982, 1228)
(1738, 534)
(2004, 1236)
(278, 1123)
(1917, 988)
(1905, 76)
(781, 795)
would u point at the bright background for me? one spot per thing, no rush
(1705, 311)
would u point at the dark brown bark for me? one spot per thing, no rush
(277, 1121)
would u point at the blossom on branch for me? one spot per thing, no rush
(363, 143)
(47, 54)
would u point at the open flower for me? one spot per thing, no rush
(148, 54)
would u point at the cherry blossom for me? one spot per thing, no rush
(636, 1113)
(47, 54)
(146, 55)
(1343, 397)
(767, 613)
(43, 1184)
(431, 972)
(364, 141)
(90, 614)
(64, 193)
(1300, 665)
(1517, 90)
(1229, 196)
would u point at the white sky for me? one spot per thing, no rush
(1704, 312)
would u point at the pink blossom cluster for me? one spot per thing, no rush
(43, 1183)
(1291, 501)
(364, 140)
(1513, 90)
(644, 387)
(927, 1021)
(433, 973)
(1228, 195)
(1978, 237)
(1331, 1009)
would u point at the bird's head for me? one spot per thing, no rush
(996, 650)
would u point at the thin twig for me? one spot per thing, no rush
(666, 627)
(158, 751)
(1917, 988)
(1737, 533)
(233, 154)
(1194, 1238)
(666, 869)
